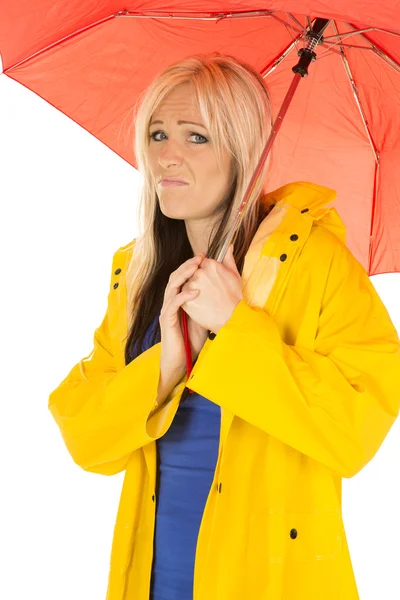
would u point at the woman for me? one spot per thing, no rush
(232, 492)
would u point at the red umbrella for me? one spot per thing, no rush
(92, 60)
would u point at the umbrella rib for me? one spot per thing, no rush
(265, 71)
(151, 15)
(196, 15)
(339, 39)
(332, 44)
(303, 29)
(378, 51)
(60, 41)
(373, 146)
(342, 36)
(297, 22)
(216, 16)
(360, 31)
(287, 24)
(373, 213)
(357, 96)
(210, 16)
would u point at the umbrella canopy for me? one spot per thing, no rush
(92, 60)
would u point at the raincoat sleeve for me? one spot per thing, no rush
(335, 403)
(104, 412)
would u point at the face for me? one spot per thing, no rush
(185, 151)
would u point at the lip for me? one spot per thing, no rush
(172, 182)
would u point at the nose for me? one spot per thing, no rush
(169, 155)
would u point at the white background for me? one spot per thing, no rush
(67, 203)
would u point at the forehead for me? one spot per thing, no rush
(181, 101)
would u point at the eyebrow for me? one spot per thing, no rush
(179, 123)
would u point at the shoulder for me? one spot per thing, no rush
(121, 258)
(347, 287)
(329, 250)
(328, 266)
(129, 246)
(124, 252)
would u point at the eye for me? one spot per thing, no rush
(152, 136)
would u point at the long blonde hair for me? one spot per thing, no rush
(236, 109)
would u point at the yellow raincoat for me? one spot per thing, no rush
(307, 375)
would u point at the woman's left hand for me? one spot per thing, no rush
(220, 290)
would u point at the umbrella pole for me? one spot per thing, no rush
(307, 55)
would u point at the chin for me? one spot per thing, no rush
(173, 214)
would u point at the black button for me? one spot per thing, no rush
(116, 285)
(283, 257)
(294, 237)
(153, 497)
(293, 533)
(304, 210)
(211, 336)
(220, 487)
(117, 271)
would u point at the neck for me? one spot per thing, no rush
(198, 233)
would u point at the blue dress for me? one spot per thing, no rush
(187, 456)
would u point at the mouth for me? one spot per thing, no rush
(171, 183)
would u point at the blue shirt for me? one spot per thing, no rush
(187, 456)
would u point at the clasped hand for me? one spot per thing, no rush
(220, 290)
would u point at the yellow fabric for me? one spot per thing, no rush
(307, 375)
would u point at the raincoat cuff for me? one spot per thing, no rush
(248, 328)
(161, 417)
(252, 320)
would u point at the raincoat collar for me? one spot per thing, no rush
(303, 194)
(306, 195)
(296, 206)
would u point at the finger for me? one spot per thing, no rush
(177, 279)
(172, 306)
(185, 297)
(196, 260)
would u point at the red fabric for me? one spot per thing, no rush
(92, 65)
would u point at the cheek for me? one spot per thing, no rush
(151, 157)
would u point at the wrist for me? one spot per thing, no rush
(218, 326)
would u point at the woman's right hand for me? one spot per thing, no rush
(173, 356)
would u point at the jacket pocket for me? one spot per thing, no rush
(314, 536)
(297, 536)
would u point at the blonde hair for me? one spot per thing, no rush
(236, 109)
